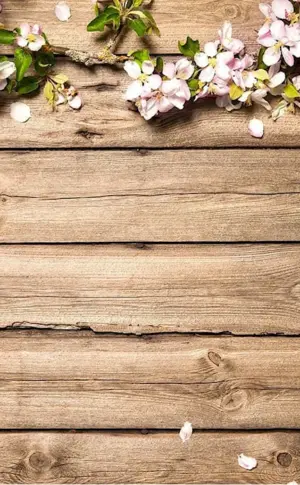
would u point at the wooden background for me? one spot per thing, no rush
(150, 274)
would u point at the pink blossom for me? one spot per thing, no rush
(183, 69)
(31, 37)
(227, 41)
(280, 40)
(144, 79)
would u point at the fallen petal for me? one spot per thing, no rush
(186, 431)
(20, 112)
(244, 461)
(256, 129)
(62, 11)
(76, 102)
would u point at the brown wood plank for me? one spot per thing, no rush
(244, 289)
(107, 121)
(230, 195)
(97, 457)
(201, 20)
(81, 380)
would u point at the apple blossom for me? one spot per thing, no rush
(71, 96)
(31, 37)
(143, 77)
(225, 35)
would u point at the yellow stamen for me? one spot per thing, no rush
(31, 38)
(212, 61)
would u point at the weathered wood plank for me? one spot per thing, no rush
(81, 380)
(201, 19)
(97, 457)
(244, 289)
(106, 121)
(232, 195)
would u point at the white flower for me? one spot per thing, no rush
(246, 461)
(20, 112)
(256, 129)
(31, 37)
(62, 11)
(183, 69)
(144, 79)
(186, 431)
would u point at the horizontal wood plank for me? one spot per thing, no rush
(150, 458)
(106, 120)
(81, 380)
(230, 195)
(201, 20)
(244, 289)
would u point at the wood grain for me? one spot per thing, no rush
(81, 380)
(231, 195)
(150, 458)
(201, 20)
(107, 121)
(244, 289)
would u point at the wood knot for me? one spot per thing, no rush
(235, 399)
(284, 459)
(39, 461)
(214, 358)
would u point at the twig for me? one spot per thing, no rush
(106, 56)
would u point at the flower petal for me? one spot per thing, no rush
(210, 49)
(20, 112)
(76, 102)
(288, 56)
(207, 75)
(147, 67)
(24, 29)
(62, 11)
(271, 56)
(7, 68)
(276, 80)
(133, 69)
(154, 81)
(134, 91)
(201, 59)
(37, 44)
(256, 129)
(278, 30)
(21, 41)
(282, 8)
(169, 70)
(186, 431)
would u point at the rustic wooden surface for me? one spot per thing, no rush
(157, 457)
(150, 195)
(243, 289)
(128, 252)
(87, 381)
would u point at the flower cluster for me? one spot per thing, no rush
(221, 69)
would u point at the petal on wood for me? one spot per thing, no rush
(20, 112)
(62, 11)
(247, 462)
(186, 431)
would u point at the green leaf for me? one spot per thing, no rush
(60, 78)
(138, 25)
(159, 64)
(7, 36)
(235, 92)
(110, 16)
(137, 3)
(151, 22)
(23, 61)
(3, 58)
(189, 48)
(44, 62)
(49, 92)
(291, 92)
(261, 75)
(28, 85)
(140, 56)
(260, 62)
